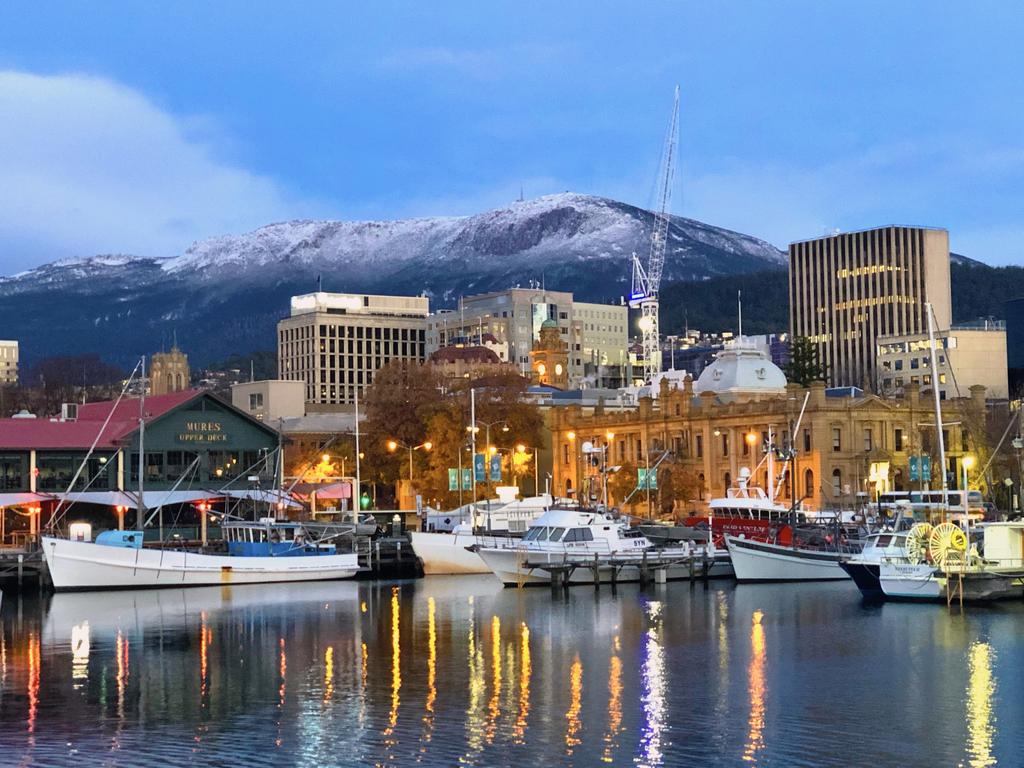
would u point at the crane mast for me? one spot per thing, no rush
(647, 280)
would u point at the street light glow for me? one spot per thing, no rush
(428, 445)
(392, 446)
(968, 462)
(571, 435)
(751, 438)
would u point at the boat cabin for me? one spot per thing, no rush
(271, 538)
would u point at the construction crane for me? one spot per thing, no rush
(647, 280)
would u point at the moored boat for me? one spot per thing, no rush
(767, 561)
(263, 552)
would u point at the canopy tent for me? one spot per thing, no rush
(22, 498)
(334, 491)
(153, 499)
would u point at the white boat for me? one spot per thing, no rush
(764, 561)
(445, 553)
(580, 538)
(264, 552)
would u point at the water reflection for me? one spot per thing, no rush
(80, 654)
(572, 716)
(614, 703)
(494, 704)
(981, 688)
(653, 686)
(428, 718)
(301, 676)
(755, 730)
(525, 670)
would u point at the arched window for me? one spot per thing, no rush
(837, 482)
(809, 484)
(728, 480)
(177, 382)
(700, 486)
(170, 383)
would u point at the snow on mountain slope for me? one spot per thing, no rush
(225, 294)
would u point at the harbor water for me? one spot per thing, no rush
(452, 671)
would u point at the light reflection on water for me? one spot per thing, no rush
(457, 671)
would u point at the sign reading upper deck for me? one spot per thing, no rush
(203, 432)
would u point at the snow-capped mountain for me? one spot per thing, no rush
(226, 293)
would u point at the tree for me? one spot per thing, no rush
(804, 366)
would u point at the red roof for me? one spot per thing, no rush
(35, 434)
(128, 408)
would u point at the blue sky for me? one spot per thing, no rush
(139, 128)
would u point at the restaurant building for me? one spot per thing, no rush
(196, 445)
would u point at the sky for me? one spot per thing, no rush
(141, 127)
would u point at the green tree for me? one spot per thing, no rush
(804, 366)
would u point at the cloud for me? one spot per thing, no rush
(481, 64)
(90, 166)
(930, 183)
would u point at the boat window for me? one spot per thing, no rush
(572, 535)
(586, 534)
(556, 534)
(883, 541)
(531, 534)
(542, 534)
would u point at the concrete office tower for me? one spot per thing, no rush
(846, 290)
(335, 342)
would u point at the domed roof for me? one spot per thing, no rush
(549, 323)
(742, 369)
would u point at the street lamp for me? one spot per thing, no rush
(394, 445)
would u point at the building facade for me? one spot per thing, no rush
(8, 363)
(847, 290)
(549, 358)
(596, 335)
(966, 355)
(335, 342)
(847, 448)
(270, 400)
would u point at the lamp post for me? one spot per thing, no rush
(967, 462)
(394, 445)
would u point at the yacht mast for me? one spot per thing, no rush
(938, 405)
(140, 509)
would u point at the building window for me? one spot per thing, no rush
(899, 365)
(807, 441)
(700, 486)
(837, 482)
(808, 484)
(898, 440)
(699, 447)
(727, 478)
(565, 453)
(255, 400)
(725, 445)
(914, 363)
(837, 439)
(869, 443)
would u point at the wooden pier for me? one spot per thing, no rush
(653, 568)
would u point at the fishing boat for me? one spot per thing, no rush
(768, 561)
(454, 552)
(582, 538)
(946, 558)
(263, 551)
(936, 563)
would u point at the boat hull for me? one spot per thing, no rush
(865, 576)
(509, 565)
(78, 566)
(758, 561)
(446, 554)
(907, 582)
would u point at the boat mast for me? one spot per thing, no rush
(140, 508)
(938, 405)
(358, 495)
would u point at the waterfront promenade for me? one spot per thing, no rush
(455, 670)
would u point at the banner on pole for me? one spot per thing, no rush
(480, 468)
(453, 479)
(647, 479)
(467, 479)
(496, 468)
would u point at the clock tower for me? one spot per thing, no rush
(549, 359)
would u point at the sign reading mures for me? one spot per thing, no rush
(203, 432)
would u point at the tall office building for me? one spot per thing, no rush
(335, 342)
(8, 362)
(846, 290)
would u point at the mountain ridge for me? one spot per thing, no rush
(225, 294)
